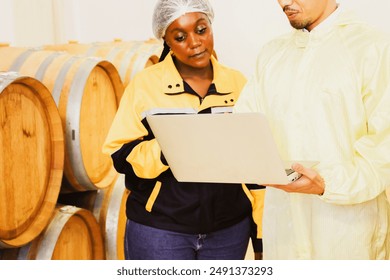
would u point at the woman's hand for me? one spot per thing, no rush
(310, 182)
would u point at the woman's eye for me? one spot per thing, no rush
(201, 30)
(180, 38)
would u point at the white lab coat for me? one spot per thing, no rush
(326, 94)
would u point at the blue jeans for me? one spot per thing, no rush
(148, 243)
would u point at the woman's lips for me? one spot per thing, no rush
(200, 54)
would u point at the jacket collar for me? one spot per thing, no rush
(174, 84)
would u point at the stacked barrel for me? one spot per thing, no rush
(129, 57)
(32, 157)
(60, 197)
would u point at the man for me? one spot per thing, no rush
(325, 89)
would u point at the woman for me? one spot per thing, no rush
(168, 219)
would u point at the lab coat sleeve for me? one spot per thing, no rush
(249, 100)
(368, 174)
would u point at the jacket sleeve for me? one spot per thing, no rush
(256, 194)
(133, 150)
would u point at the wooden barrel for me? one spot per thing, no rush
(87, 92)
(32, 158)
(112, 218)
(72, 234)
(109, 208)
(128, 57)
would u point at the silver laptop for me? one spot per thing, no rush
(221, 148)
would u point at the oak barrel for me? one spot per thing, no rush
(109, 208)
(72, 234)
(129, 57)
(32, 158)
(87, 92)
(112, 218)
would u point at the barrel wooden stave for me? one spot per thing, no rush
(32, 146)
(129, 57)
(109, 208)
(87, 92)
(72, 234)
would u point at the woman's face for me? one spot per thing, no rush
(191, 40)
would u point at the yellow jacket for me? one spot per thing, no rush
(156, 198)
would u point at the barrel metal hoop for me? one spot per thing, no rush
(73, 112)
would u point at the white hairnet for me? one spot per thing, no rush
(167, 11)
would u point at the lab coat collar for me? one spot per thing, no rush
(339, 17)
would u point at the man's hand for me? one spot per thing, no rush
(310, 182)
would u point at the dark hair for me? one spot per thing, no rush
(165, 52)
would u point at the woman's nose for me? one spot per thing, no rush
(194, 40)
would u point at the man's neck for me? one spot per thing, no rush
(328, 17)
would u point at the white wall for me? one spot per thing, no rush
(240, 27)
(6, 21)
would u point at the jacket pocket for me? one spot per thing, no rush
(153, 196)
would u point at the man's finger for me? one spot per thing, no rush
(308, 172)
